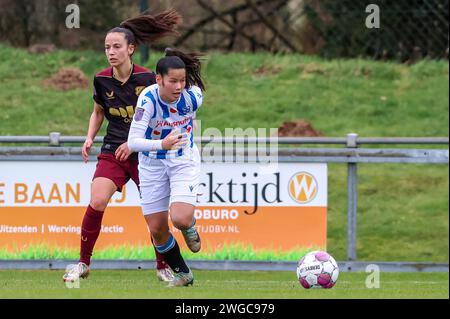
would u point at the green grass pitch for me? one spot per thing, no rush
(120, 284)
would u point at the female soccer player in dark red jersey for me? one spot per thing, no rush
(116, 91)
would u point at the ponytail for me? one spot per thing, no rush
(192, 65)
(148, 29)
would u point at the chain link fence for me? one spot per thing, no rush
(409, 29)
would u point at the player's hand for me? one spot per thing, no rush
(175, 140)
(86, 149)
(122, 152)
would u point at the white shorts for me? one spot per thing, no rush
(165, 181)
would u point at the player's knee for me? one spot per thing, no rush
(158, 230)
(98, 203)
(182, 222)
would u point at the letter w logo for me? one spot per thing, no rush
(303, 187)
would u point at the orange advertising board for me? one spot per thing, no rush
(281, 210)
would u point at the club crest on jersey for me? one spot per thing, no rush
(110, 96)
(183, 109)
(139, 114)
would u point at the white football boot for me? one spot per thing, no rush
(76, 271)
(181, 279)
(192, 239)
(164, 274)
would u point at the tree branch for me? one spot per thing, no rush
(271, 26)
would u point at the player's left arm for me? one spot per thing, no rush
(196, 95)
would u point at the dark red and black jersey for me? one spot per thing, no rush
(118, 101)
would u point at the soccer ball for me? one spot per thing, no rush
(317, 269)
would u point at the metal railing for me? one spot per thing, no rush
(56, 139)
(351, 154)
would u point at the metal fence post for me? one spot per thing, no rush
(144, 47)
(54, 139)
(352, 194)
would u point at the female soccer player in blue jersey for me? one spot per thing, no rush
(169, 161)
(116, 91)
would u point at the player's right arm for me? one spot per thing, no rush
(137, 142)
(95, 122)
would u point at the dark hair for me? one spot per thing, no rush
(176, 59)
(146, 28)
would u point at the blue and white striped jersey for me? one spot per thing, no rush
(155, 119)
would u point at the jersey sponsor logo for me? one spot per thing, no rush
(162, 123)
(138, 90)
(125, 112)
(303, 187)
(110, 96)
